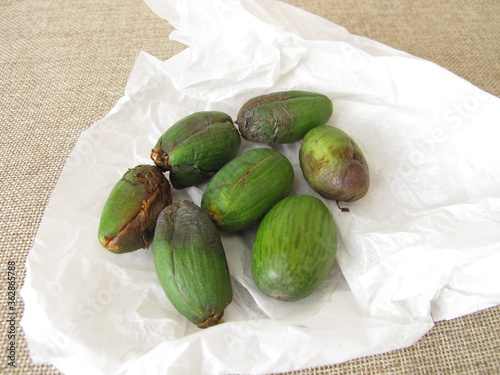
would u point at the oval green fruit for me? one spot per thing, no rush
(191, 263)
(283, 117)
(196, 147)
(334, 165)
(294, 248)
(129, 215)
(241, 193)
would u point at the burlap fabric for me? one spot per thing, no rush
(64, 64)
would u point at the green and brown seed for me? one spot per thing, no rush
(283, 117)
(129, 214)
(334, 165)
(196, 147)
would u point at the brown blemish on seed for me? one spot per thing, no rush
(212, 321)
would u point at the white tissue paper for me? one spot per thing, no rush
(423, 245)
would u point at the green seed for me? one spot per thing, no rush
(241, 193)
(294, 248)
(191, 264)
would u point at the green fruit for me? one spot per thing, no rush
(196, 147)
(283, 117)
(294, 248)
(191, 263)
(334, 165)
(129, 215)
(241, 193)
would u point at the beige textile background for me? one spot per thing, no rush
(64, 64)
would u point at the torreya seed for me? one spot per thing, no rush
(334, 165)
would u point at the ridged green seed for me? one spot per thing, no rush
(191, 263)
(196, 147)
(294, 248)
(129, 214)
(241, 193)
(283, 117)
(334, 165)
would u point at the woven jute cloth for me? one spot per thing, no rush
(64, 64)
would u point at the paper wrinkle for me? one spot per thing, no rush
(422, 245)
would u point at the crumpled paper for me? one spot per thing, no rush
(422, 245)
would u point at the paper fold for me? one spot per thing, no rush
(423, 245)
